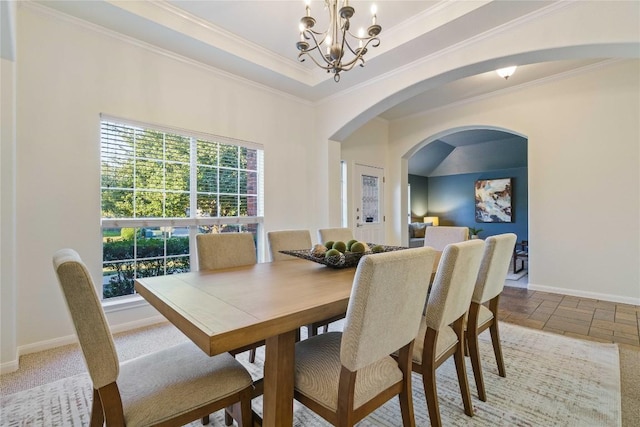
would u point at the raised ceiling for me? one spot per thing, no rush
(470, 151)
(255, 40)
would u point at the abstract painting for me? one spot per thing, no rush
(493, 200)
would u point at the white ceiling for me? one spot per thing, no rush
(256, 40)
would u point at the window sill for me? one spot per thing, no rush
(124, 303)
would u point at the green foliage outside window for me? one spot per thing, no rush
(121, 267)
(147, 174)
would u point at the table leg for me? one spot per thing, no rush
(278, 380)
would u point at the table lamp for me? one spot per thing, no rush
(432, 219)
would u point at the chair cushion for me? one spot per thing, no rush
(447, 338)
(318, 372)
(161, 385)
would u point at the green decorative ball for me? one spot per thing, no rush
(350, 243)
(341, 246)
(377, 249)
(328, 244)
(357, 247)
(331, 253)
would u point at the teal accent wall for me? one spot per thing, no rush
(452, 199)
(419, 195)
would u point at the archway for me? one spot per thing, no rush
(444, 169)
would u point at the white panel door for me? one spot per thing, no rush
(368, 203)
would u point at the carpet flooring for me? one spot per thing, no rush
(551, 380)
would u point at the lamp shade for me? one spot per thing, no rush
(432, 219)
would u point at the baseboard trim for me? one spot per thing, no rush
(14, 365)
(8, 367)
(585, 294)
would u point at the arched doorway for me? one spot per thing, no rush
(442, 175)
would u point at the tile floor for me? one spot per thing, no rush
(573, 316)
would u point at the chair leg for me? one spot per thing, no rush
(228, 418)
(346, 398)
(458, 357)
(246, 412)
(472, 345)
(312, 330)
(97, 417)
(252, 355)
(429, 377)
(205, 420)
(495, 336)
(111, 404)
(405, 356)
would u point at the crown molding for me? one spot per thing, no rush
(164, 13)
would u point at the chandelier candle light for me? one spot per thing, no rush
(337, 39)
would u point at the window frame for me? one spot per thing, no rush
(193, 221)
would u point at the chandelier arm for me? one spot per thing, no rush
(327, 67)
(358, 55)
(346, 42)
(317, 46)
(349, 65)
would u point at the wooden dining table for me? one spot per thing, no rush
(232, 308)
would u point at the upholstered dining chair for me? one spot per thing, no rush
(441, 333)
(497, 255)
(343, 376)
(173, 386)
(287, 240)
(291, 240)
(439, 237)
(225, 250)
(335, 234)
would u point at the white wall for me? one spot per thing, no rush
(368, 145)
(584, 175)
(69, 74)
(7, 211)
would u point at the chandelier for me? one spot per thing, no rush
(340, 53)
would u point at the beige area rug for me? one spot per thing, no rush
(551, 380)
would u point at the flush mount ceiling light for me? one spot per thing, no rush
(339, 54)
(506, 72)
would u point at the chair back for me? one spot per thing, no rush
(335, 235)
(225, 250)
(498, 251)
(454, 283)
(439, 237)
(385, 307)
(287, 240)
(88, 317)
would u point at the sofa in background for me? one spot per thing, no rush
(416, 233)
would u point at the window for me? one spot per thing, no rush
(160, 187)
(344, 202)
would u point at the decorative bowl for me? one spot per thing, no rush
(351, 259)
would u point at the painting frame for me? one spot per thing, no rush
(493, 200)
